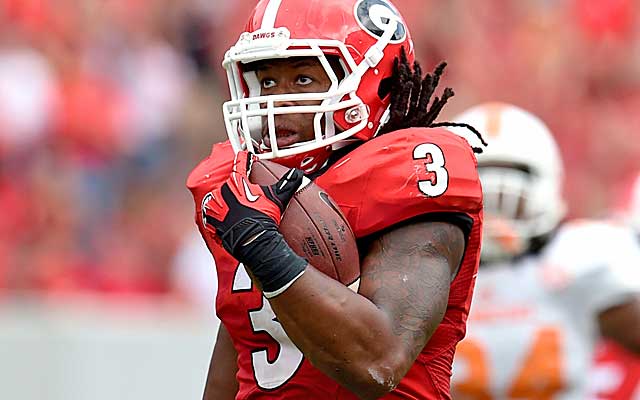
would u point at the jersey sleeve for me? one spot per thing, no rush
(596, 265)
(208, 174)
(402, 175)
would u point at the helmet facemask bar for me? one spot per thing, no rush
(247, 110)
(514, 209)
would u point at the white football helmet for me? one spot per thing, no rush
(521, 174)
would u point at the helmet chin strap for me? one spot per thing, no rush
(309, 162)
(501, 241)
(505, 234)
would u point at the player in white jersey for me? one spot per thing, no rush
(546, 289)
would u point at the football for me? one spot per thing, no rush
(314, 227)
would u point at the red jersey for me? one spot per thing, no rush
(616, 373)
(390, 179)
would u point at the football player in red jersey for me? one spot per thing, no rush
(327, 87)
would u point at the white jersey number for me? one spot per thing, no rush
(434, 163)
(269, 374)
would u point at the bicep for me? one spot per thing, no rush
(221, 379)
(407, 273)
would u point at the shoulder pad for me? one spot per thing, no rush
(404, 174)
(211, 171)
(584, 247)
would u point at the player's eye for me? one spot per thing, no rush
(268, 83)
(304, 80)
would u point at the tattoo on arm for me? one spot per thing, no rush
(407, 273)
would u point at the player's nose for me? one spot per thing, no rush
(285, 103)
(282, 102)
(285, 88)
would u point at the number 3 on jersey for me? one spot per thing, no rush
(269, 373)
(273, 374)
(438, 177)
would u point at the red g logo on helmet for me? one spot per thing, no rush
(375, 15)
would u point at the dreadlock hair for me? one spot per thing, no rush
(410, 97)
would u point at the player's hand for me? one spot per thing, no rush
(240, 210)
(245, 218)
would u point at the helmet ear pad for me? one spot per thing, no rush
(375, 91)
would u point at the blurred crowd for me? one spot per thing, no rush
(106, 105)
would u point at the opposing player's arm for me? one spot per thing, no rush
(622, 324)
(221, 380)
(368, 341)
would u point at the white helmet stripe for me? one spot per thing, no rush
(270, 14)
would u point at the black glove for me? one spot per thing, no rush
(245, 218)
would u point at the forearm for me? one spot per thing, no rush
(221, 380)
(368, 341)
(343, 334)
(622, 324)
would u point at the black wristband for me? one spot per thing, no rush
(263, 250)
